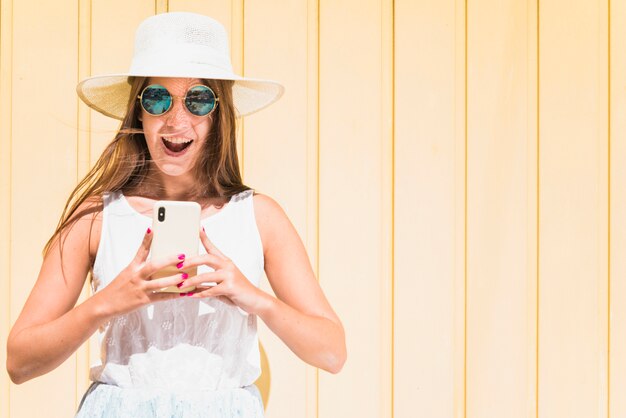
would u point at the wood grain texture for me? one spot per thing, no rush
(573, 236)
(456, 170)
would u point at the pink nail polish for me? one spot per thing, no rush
(203, 229)
(148, 231)
(189, 294)
(184, 276)
(181, 256)
(180, 265)
(179, 285)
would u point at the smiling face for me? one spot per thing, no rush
(176, 138)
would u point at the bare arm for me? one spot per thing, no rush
(50, 328)
(46, 332)
(300, 314)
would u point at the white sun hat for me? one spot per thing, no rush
(178, 44)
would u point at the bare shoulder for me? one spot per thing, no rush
(90, 209)
(287, 265)
(266, 209)
(85, 224)
(271, 220)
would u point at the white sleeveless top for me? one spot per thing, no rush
(183, 343)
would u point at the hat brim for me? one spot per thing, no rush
(109, 94)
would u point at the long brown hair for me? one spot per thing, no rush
(124, 163)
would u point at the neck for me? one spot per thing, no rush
(161, 186)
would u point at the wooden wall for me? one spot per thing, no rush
(457, 170)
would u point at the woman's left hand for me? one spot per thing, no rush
(230, 281)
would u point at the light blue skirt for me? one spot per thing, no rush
(108, 401)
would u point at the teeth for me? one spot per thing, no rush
(178, 140)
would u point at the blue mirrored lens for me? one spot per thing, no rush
(200, 100)
(156, 100)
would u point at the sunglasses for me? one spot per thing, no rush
(199, 100)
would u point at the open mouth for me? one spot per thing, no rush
(176, 145)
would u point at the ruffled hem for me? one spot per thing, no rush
(108, 401)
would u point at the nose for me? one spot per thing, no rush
(177, 116)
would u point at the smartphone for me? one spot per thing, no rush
(176, 227)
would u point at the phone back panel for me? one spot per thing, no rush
(176, 227)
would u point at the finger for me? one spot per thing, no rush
(163, 282)
(208, 245)
(215, 292)
(202, 280)
(210, 260)
(144, 248)
(206, 292)
(162, 296)
(154, 265)
(212, 293)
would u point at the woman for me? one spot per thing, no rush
(163, 354)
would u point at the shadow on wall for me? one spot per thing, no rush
(263, 382)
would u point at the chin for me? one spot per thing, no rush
(174, 170)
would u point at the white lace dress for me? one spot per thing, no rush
(183, 357)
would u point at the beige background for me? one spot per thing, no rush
(457, 170)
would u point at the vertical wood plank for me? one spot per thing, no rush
(44, 170)
(425, 208)
(351, 200)
(532, 206)
(275, 155)
(617, 361)
(237, 37)
(573, 234)
(460, 212)
(83, 164)
(500, 323)
(387, 206)
(6, 131)
(312, 180)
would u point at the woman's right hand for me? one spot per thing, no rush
(51, 326)
(134, 288)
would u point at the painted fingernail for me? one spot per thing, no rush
(179, 285)
(203, 229)
(184, 276)
(189, 294)
(182, 294)
(181, 256)
(148, 231)
(180, 265)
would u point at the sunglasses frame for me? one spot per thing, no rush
(140, 97)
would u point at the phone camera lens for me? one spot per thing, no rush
(161, 214)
